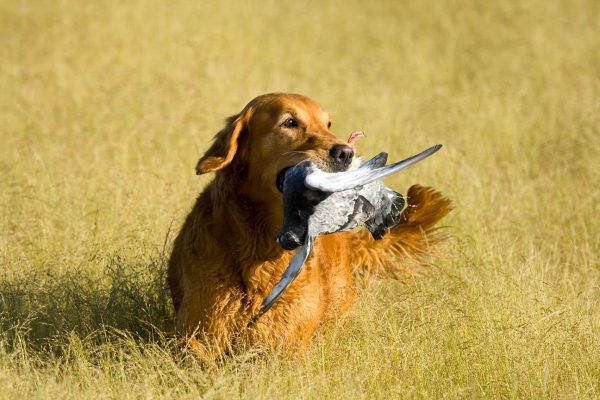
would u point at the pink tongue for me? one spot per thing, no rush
(354, 136)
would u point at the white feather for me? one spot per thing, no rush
(339, 181)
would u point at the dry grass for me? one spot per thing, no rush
(106, 106)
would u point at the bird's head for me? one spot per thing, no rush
(298, 205)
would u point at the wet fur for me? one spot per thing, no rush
(225, 259)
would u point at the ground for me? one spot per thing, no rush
(105, 108)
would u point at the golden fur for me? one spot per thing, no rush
(225, 259)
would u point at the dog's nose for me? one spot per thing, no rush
(342, 153)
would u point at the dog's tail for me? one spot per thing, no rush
(407, 243)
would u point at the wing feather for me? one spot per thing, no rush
(339, 181)
(289, 275)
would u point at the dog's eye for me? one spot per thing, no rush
(290, 123)
(329, 125)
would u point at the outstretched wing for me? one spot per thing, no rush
(338, 181)
(288, 277)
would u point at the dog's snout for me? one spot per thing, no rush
(342, 153)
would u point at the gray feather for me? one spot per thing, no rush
(317, 202)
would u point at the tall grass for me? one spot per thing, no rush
(106, 106)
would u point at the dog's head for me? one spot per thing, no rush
(272, 133)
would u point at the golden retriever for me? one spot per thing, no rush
(225, 260)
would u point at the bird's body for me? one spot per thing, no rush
(317, 202)
(309, 212)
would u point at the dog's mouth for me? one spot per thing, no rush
(323, 166)
(336, 166)
(281, 178)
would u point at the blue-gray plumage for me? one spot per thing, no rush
(317, 202)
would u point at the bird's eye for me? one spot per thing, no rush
(290, 123)
(329, 125)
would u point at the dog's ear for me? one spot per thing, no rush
(225, 144)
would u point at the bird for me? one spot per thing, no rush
(316, 202)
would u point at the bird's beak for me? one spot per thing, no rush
(369, 172)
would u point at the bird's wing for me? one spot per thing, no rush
(288, 276)
(338, 181)
(376, 162)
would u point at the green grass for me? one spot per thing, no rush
(105, 108)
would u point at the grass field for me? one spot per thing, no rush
(105, 108)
